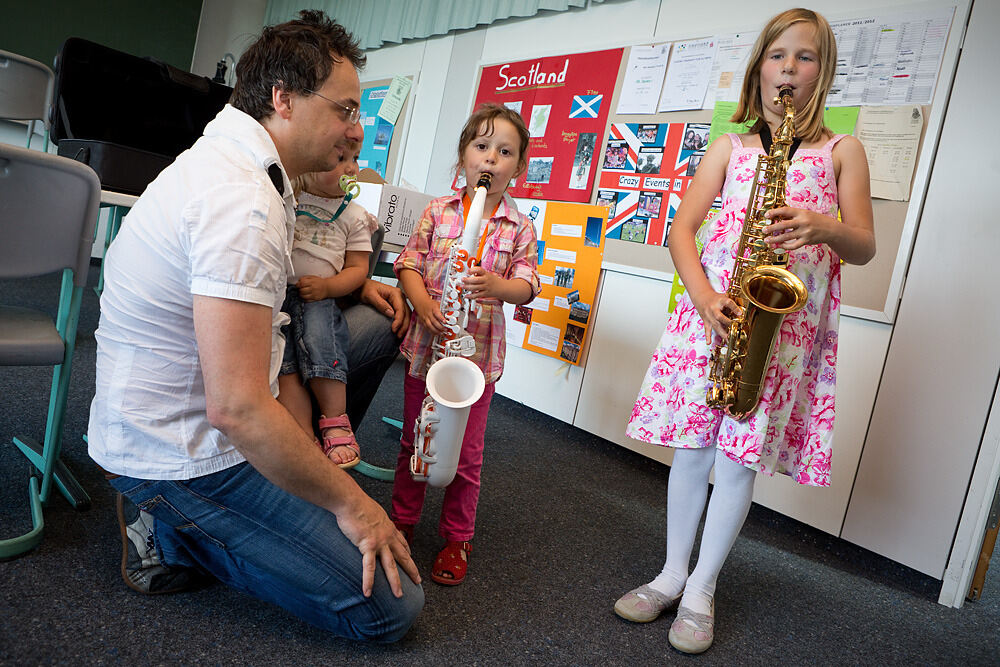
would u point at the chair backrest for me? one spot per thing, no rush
(48, 212)
(377, 236)
(26, 87)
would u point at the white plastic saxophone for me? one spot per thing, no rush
(454, 383)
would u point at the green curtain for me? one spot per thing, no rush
(375, 22)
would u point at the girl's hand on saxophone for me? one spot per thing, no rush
(716, 310)
(429, 312)
(792, 228)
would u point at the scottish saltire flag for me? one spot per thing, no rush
(585, 106)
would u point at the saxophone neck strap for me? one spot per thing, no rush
(766, 141)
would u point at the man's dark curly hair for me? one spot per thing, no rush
(297, 56)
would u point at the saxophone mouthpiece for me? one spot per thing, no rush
(784, 91)
(485, 180)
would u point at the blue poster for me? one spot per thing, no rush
(378, 131)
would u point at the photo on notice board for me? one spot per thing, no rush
(649, 160)
(580, 176)
(564, 276)
(579, 312)
(647, 133)
(570, 351)
(616, 154)
(695, 137)
(593, 231)
(649, 204)
(574, 334)
(607, 198)
(634, 230)
(383, 133)
(693, 163)
(539, 120)
(539, 170)
(523, 314)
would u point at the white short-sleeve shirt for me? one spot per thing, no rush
(214, 223)
(318, 247)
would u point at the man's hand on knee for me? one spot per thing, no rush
(389, 301)
(371, 531)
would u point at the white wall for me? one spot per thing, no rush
(226, 26)
(598, 396)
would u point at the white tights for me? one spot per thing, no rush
(687, 489)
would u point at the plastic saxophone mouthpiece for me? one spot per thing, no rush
(784, 91)
(485, 180)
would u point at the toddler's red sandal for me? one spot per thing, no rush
(452, 563)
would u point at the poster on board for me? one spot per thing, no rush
(570, 251)
(645, 170)
(565, 101)
(378, 131)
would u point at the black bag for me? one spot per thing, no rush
(125, 116)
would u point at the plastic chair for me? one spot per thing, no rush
(26, 88)
(60, 198)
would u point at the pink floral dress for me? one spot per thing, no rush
(791, 431)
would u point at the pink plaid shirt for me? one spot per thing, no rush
(511, 251)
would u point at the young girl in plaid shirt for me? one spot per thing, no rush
(494, 140)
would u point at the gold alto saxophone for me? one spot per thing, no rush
(761, 285)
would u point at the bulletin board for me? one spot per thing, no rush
(570, 251)
(871, 291)
(382, 139)
(564, 102)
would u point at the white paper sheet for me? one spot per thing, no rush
(543, 336)
(891, 136)
(726, 79)
(643, 79)
(573, 231)
(688, 75)
(557, 255)
(889, 59)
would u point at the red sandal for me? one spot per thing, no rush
(452, 563)
(331, 442)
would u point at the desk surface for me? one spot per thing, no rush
(117, 198)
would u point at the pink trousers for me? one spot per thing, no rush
(458, 512)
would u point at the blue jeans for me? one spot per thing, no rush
(372, 350)
(316, 339)
(259, 539)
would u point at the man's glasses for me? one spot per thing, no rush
(351, 114)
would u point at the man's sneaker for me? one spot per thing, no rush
(141, 566)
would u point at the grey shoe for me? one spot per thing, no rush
(692, 632)
(644, 604)
(141, 566)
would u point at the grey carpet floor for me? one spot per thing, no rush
(567, 523)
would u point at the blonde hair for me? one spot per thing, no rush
(809, 121)
(303, 182)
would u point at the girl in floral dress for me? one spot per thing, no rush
(791, 430)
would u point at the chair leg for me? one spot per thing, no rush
(66, 322)
(114, 224)
(70, 489)
(16, 546)
(375, 472)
